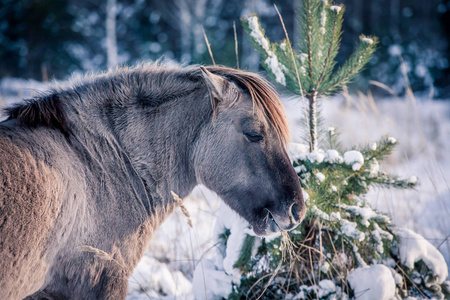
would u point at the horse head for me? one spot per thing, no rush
(242, 154)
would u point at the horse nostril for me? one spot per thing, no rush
(294, 212)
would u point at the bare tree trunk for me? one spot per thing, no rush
(185, 22)
(296, 30)
(394, 19)
(199, 13)
(111, 39)
(250, 57)
(312, 99)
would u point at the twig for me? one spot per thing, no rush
(291, 50)
(404, 274)
(236, 48)
(183, 208)
(209, 46)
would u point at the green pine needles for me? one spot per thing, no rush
(311, 70)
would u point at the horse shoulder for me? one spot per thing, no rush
(29, 207)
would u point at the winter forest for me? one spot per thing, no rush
(369, 113)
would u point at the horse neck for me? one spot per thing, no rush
(152, 144)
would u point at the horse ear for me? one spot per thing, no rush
(214, 83)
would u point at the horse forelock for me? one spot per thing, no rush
(263, 95)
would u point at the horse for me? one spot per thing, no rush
(94, 164)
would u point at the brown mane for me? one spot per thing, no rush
(263, 94)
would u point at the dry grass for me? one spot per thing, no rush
(100, 254)
(209, 46)
(183, 208)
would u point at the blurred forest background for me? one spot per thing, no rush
(47, 39)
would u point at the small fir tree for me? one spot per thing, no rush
(310, 71)
(341, 232)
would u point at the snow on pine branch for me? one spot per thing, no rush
(271, 61)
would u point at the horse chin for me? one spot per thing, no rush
(267, 229)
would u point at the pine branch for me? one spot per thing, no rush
(353, 65)
(333, 41)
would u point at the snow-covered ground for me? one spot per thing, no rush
(422, 129)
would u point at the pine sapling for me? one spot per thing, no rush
(311, 70)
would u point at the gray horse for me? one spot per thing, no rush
(95, 164)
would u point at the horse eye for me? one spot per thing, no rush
(253, 137)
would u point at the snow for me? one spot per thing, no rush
(323, 18)
(300, 169)
(336, 8)
(358, 257)
(373, 282)
(367, 41)
(325, 267)
(366, 214)
(296, 150)
(303, 57)
(316, 156)
(335, 216)
(333, 157)
(374, 168)
(373, 146)
(276, 68)
(257, 34)
(210, 281)
(326, 288)
(392, 140)
(354, 158)
(316, 211)
(215, 276)
(333, 188)
(414, 248)
(412, 179)
(302, 70)
(320, 176)
(150, 274)
(305, 195)
(323, 21)
(378, 241)
(271, 60)
(384, 234)
(283, 46)
(237, 236)
(350, 229)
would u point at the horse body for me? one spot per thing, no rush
(94, 165)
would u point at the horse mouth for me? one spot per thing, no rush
(272, 223)
(274, 226)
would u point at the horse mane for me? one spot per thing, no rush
(153, 84)
(263, 95)
(40, 111)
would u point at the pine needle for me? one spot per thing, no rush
(183, 208)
